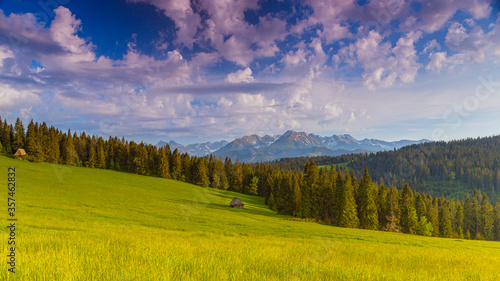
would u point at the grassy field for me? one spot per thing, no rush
(89, 224)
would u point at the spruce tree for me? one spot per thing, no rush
(69, 156)
(424, 227)
(392, 214)
(486, 218)
(496, 215)
(92, 154)
(382, 205)
(101, 154)
(367, 209)
(176, 165)
(297, 195)
(475, 215)
(254, 184)
(201, 173)
(409, 219)
(19, 137)
(347, 211)
(237, 177)
(445, 227)
(6, 138)
(31, 141)
(271, 203)
(458, 220)
(163, 168)
(420, 205)
(141, 160)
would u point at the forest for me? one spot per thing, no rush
(344, 198)
(453, 168)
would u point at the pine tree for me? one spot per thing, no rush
(201, 173)
(445, 227)
(176, 165)
(496, 215)
(433, 214)
(486, 218)
(409, 219)
(271, 203)
(141, 160)
(31, 142)
(475, 215)
(187, 166)
(163, 168)
(393, 212)
(383, 206)
(254, 183)
(420, 205)
(297, 195)
(18, 135)
(92, 154)
(424, 228)
(69, 155)
(346, 204)
(101, 154)
(6, 138)
(237, 177)
(367, 209)
(458, 220)
(53, 150)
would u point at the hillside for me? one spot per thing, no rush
(90, 224)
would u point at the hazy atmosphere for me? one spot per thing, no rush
(194, 71)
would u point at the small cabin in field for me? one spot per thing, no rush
(236, 203)
(20, 154)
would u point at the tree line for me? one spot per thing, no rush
(334, 197)
(453, 168)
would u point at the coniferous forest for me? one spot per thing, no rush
(339, 197)
(452, 168)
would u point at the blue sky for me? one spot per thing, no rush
(209, 70)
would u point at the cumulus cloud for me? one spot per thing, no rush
(240, 76)
(432, 45)
(438, 61)
(381, 62)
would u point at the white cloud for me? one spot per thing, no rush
(381, 62)
(244, 75)
(331, 111)
(63, 30)
(432, 45)
(438, 61)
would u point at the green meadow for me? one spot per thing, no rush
(90, 224)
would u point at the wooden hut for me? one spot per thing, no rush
(20, 154)
(236, 203)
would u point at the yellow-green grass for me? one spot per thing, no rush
(90, 224)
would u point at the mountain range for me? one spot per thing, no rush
(255, 148)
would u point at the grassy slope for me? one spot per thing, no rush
(89, 224)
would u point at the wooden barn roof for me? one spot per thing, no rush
(20, 151)
(236, 201)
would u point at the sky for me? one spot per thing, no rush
(208, 70)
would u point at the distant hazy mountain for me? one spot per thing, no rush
(295, 144)
(198, 149)
(291, 144)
